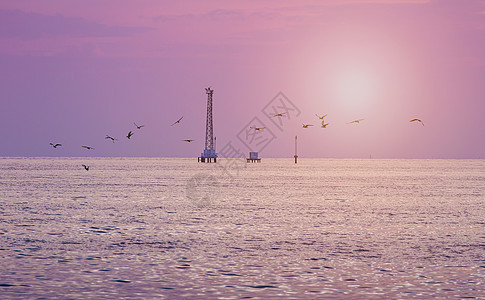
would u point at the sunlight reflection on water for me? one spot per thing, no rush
(138, 228)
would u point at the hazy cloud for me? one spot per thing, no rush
(24, 25)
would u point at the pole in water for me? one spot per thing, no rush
(296, 153)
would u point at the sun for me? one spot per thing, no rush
(355, 87)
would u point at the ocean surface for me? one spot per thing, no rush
(164, 228)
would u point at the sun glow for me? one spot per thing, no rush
(355, 87)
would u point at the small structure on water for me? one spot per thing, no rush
(209, 155)
(253, 157)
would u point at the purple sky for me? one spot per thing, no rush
(73, 72)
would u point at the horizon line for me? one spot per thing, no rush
(299, 157)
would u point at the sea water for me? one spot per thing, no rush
(140, 228)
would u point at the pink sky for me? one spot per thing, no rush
(74, 71)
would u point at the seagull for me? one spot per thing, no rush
(86, 167)
(87, 147)
(279, 115)
(129, 134)
(417, 120)
(321, 118)
(356, 121)
(138, 126)
(188, 141)
(111, 138)
(324, 125)
(306, 125)
(257, 128)
(55, 145)
(178, 121)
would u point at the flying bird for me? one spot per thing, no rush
(55, 145)
(178, 121)
(188, 141)
(306, 125)
(110, 138)
(87, 147)
(138, 126)
(257, 128)
(356, 121)
(279, 115)
(417, 120)
(129, 134)
(324, 125)
(86, 167)
(321, 118)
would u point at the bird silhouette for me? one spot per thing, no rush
(138, 126)
(321, 118)
(88, 147)
(307, 125)
(110, 138)
(55, 145)
(86, 167)
(279, 115)
(356, 121)
(188, 141)
(129, 134)
(417, 120)
(178, 121)
(257, 128)
(324, 125)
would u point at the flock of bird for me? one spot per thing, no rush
(138, 127)
(322, 118)
(324, 125)
(112, 139)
